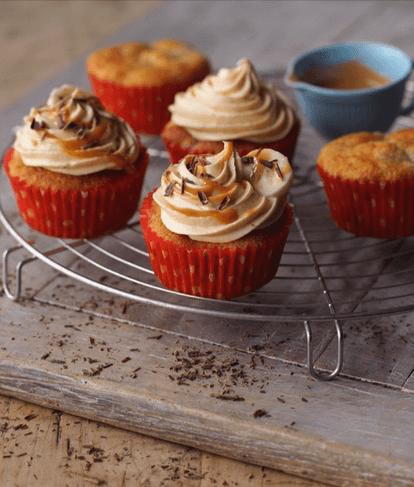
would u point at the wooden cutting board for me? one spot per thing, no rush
(238, 388)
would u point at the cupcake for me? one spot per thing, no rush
(234, 104)
(138, 81)
(76, 171)
(368, 179)
(217, 225)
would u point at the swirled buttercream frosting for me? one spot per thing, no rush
(222, 197)
(234, 104)
(73, 134)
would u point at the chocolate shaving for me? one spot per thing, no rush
(169, 189)
(192, 165)
(268, 164)
(206, 176)
(80, 100)
(247, 160)
(71, 126)
(203, 198)
(224, 203)
(35, 125)
(227, 397)
(278, 170)
(29, 417)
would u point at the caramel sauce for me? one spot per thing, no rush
(226, 216)
(75, 148)
(350, 75)
(213, 191)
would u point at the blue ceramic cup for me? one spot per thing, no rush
(335, 112)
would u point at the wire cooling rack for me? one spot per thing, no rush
(325, 275)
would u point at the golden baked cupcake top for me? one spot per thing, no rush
(370, 156)
(141, 64)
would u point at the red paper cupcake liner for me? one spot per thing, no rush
(217, 271)
(77, 213)
(144, 108)
(371, 209)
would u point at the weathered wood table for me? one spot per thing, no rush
(95, 349)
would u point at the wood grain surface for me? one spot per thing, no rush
(48, 447)
(99, 390)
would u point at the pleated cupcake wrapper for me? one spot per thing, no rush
(77, 213)
(213, 271)
(371, 209)
(144, 108)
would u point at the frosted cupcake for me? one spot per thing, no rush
(234, 105)
(75, 169)
(217, 225)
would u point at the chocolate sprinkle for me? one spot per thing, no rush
(224, 203)
(247, 160)
(278, 170)
(203, 198)
(192, 165)
(268, 164)
(71, 126)
(35, 125)
(169, 189)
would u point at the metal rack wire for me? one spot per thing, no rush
(326, 275)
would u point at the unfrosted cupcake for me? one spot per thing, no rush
(138, 81)
(75, 169)
(217, 225)
(234, 104)
(368, 179)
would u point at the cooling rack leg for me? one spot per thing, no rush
(319, 374)
(5, 273)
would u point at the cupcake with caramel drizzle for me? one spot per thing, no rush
(76, 170)
(217, 225)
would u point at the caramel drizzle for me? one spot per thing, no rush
(87, 144)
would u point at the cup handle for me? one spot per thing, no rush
(408, 109)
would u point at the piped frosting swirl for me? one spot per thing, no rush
(73, 134)
(234, 104)
(222, 197)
